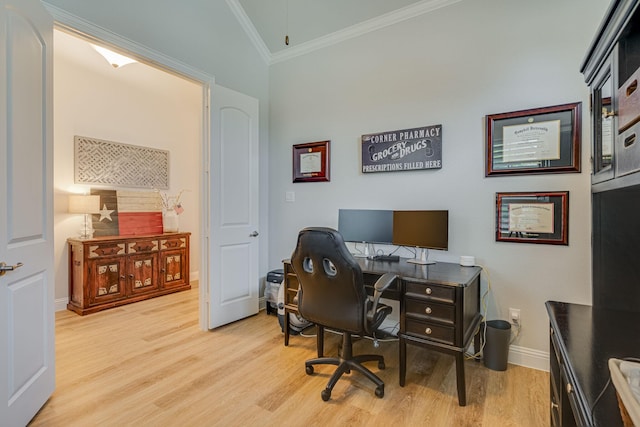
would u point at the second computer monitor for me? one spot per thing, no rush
(423, 229)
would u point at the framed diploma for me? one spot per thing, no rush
(533, 217)
(311, 162)
(540, 140)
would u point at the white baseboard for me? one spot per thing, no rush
(61, 304)
(529, 358)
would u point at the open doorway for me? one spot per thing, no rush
(137, 104)
(228, 166)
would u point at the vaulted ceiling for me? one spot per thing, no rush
(312, 24)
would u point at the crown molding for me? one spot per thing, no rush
(79, 25)
(362, 28)
(251, 31)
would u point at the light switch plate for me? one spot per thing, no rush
(290, 196)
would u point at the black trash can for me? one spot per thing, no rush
(496, 348)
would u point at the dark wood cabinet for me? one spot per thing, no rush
(612, 69)
(582, 340)
(107, 272)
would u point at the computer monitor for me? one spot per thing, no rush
(366, 225)
(422, 229)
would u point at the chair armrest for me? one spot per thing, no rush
(380, 286)
(384, 281)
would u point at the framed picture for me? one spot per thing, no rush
(533, 217)
(540, 140)
(311, 162)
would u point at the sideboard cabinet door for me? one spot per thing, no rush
(106, 278)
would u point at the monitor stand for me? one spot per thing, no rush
(424, 254)
(367, 252)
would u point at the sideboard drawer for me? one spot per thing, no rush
(432, 331)
(430, 310)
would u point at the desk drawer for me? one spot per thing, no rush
(430, 291)
(430, 310)
(431, 331)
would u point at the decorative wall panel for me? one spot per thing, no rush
(111, 163)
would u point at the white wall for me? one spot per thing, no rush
(135, 104)
(451, 67)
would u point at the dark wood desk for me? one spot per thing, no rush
(439, 307)
(582, 340)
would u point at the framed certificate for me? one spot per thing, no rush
(540, 140)
(533, 217)
(311, 162)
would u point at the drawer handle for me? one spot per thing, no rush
(428, 331)
(630, 140)
(428, 291)
(569, 388)
(632, 87)
(428, 310)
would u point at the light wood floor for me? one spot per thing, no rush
(148, 364)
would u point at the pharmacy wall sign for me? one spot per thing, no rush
(403, 150)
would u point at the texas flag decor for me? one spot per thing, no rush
(128, 213)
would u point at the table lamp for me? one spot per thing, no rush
(84, 204)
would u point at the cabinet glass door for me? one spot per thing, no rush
(604, 126)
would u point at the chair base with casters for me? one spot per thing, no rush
(345, 363)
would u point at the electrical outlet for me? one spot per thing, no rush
(514, 315)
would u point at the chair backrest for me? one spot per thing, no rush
(332, 289)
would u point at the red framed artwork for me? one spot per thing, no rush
(533, 217)
(311, 162)
(539, 140)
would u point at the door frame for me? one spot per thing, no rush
(72, 24)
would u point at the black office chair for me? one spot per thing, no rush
(332, 295)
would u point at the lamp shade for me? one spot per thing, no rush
(84, 204)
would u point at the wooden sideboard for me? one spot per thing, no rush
(106, 272)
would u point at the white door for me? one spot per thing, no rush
(27, 371)
(233, 270)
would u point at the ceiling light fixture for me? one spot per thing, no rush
(115, 59)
